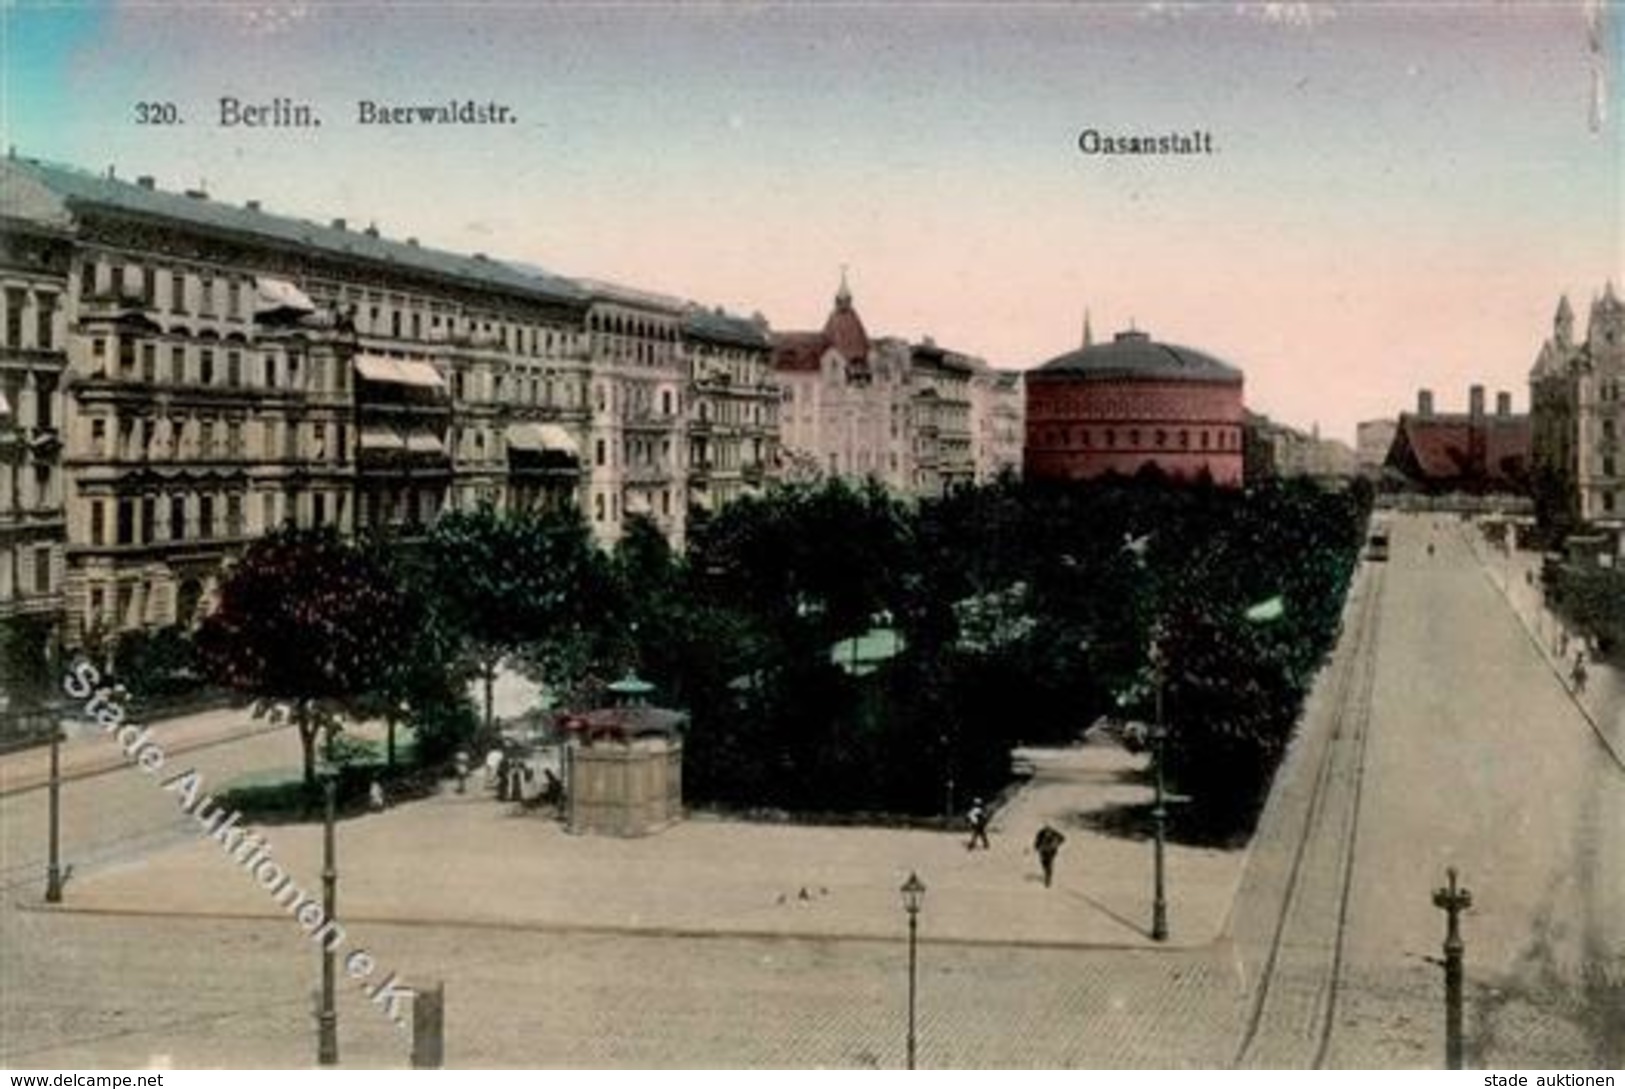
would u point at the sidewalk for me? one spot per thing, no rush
(1517, 576)
(469, 860)
(90, 751)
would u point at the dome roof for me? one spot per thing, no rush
(1136, 355)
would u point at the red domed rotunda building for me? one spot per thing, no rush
(1120, 406)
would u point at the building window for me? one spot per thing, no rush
(87, 279)
(42, 569)
(598, 507)
(206, 366)
(177, 517)
(177, 292)
(1608, 465)
(149, 518)
(14, 317)
(598, 454)
(234, 515)
(205, 517)
(45, 329)
(234, 369)
(98, 438)
(318, 509)
(98, 523)
(149, 363)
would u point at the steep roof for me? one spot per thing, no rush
(845, 330)
(53, 194)
(799, 351)
(1438, 449)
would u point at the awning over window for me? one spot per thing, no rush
(271, 294)
(542, 438)
(424, 442)
(381, 438)
(400, 372)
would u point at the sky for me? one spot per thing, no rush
(1400, 192)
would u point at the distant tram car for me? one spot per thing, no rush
(1377, 546)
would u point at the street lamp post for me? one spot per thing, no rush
(913, 891)
(53, 869)
(1159, 827)
(1453, 901)
(327, 1039)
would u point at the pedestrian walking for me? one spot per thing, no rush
(978, 817)
(1047, 843)
(1579, 673)
(460, 764)
(375, 797)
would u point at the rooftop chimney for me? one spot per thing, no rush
(411, 241)
(146, 181)
(371, 231)
(253, 206)
(1475, 400)
(1503, 404)
(197, 194)
(338, 224)
(1424, 402)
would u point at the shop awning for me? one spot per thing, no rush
(272, 294)
(400, 372)
(424, 442)
(381, 438)
(542, 438)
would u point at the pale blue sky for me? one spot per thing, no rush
(1401, 193)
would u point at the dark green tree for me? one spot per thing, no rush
(500, 582)
(307, 622)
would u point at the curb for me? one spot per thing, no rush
(654, 932)
(1540, 649)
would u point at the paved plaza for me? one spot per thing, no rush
(1447, 738)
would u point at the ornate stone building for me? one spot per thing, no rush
(229, 370)
(997, 412)
(1577, 413)
(940, 384)
(847, 402)
(34, 260)
(732, 407)
(1121, 406)
(637, 462)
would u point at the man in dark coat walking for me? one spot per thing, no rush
(1047, 843)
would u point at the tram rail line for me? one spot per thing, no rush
(1281, 1030)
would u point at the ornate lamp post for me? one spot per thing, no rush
(913, 891)
(1452, 901)
(327, 1018)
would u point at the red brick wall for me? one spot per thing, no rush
(1079, 428)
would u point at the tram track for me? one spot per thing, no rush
(1292, 1005)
